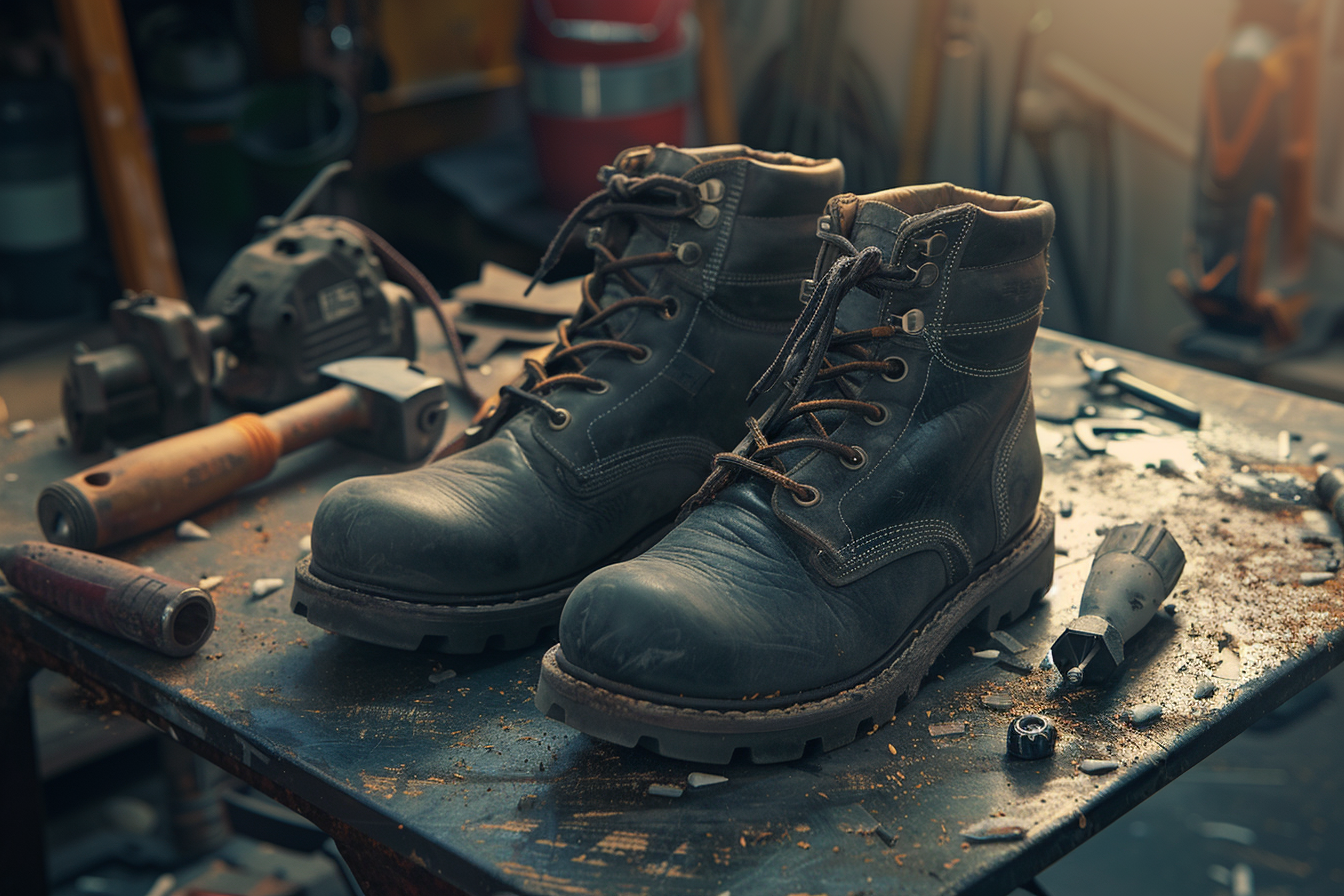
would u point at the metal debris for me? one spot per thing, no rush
(1014, 663)
(11, 477)
(997, 702)
(190, 531)
(997, 829)
(1031, 737)
(701, 779)
(986, 654)
(1205, 689)
(436, 677)
(21, 427)
(1097, 766)
(1318, 452)
(1243, 880)
(665, 790)
(306, 545)
(1249, 483)
(1315, 578)
(1009, 643)
(210, 582)
(1066, 509)
(947, 729)
(1222, 830)
(263, 587)
(1144, 714)
(527, 801)
(1321, 524)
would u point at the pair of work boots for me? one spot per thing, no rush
(883, 497)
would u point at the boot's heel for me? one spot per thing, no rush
(1029, 571)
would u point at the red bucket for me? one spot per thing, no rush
(602, 76)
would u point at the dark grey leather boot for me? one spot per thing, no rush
(885, 502)
(699, 257)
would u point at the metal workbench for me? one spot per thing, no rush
(436, 774)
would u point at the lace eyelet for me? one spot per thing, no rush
(645, 354)
(911, 322)
(925, 275)
(857, 463)
(813, 492)
(706, 217)
(689, 253)
(671, 308)
(711, 190)
(560, 420)
(932, 246)
(602, 388)
(882, 417)
(891, 361)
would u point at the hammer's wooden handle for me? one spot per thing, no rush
(157, 484)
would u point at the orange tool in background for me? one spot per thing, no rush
(1254, 170)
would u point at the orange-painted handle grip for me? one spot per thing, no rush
(157, 484)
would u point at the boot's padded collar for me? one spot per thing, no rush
(667, 159)
(1007, 228)
(931, 197)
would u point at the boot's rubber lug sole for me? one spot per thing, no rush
(1002, 593)
(410, 625)
(512, 622)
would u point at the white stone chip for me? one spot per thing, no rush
(701, 779)
(190, 531)
(263, 587)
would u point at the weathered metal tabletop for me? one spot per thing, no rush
(429, 768)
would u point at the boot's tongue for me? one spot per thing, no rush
(873, 224)
(876, 224)
(661, 159)
(670, 160)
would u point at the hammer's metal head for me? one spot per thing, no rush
(1097, 368)
(408, 408)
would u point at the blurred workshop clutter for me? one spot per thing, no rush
(44, 218)
(603, 75)
(1255, 175)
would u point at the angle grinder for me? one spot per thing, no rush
(307, 291)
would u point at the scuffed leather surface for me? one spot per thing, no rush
(532, 507)
(727, 606)
(753, 594)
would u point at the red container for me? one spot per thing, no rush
(601, 76)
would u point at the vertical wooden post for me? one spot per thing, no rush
(718, 105)
(114, 122)
(926, 69)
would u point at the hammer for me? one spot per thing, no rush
(1108, 372)
(385, 405)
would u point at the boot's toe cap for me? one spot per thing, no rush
(405, 532)
(720, 609)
